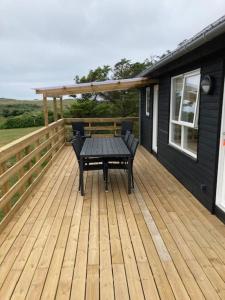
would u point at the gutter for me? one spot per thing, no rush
(204, 36)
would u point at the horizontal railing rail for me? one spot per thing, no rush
(99, 126)
(24, 161)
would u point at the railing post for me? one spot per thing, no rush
(89, 125)
(21, 171)
(61, 107)
(37, 157)
(115, 128)
(5, 187)
(55, 109)
(45, 109)
(29, 165)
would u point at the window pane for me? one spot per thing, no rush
(177, 87)
(190, 139)
(147, 100)
(176, 134)
(191, 87)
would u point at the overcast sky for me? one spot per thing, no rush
(48, 42)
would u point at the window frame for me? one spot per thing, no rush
(147, 112)
(194, 124)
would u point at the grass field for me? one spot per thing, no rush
(3, 101)
(2, 120)
(9, 135)
(11, 105)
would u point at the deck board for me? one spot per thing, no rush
(158, 242)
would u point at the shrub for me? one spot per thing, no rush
(12, 110)
(83, 108)
(94, 108)
(26, 120)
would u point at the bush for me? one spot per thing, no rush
(104, 109)
(83, 108)
(92, 108)
(12, 110)
(26, 120)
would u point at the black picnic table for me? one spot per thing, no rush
(108, 147)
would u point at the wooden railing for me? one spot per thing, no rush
(24, 161)
(99, 126)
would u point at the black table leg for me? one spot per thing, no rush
(129, 175)
(81, 177)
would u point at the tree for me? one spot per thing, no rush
(126, 102)
(123, 103)
(163, 55)
(126, 69)
(121, 70)
(99, 74)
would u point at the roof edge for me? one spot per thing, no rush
(207, 34)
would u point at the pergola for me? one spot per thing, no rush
(58, 92)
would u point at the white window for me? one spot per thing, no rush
(147, 101)
(184, 107)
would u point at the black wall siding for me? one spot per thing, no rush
(203, 171)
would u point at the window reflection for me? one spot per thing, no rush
(178, 87)
(176, 134)
(190, 139)
(190, 98)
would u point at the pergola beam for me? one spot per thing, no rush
(95, 87)
(83, 88)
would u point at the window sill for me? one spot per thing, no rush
(183, 151)
(186, 124)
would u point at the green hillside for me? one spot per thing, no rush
(4, 101)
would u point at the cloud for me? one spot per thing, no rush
(46, 42)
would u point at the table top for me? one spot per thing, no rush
(105, 147)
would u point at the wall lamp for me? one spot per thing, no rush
(207, 84)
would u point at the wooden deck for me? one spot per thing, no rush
(157, 243)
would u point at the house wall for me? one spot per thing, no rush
(146, 121)
(194, 174)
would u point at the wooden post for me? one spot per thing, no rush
(139, 119)
(89, 125)
(45, 109)
(5, 186)
(55, 109)
(114, 125)
(4, 189)
(21, 171)
(61, 107)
